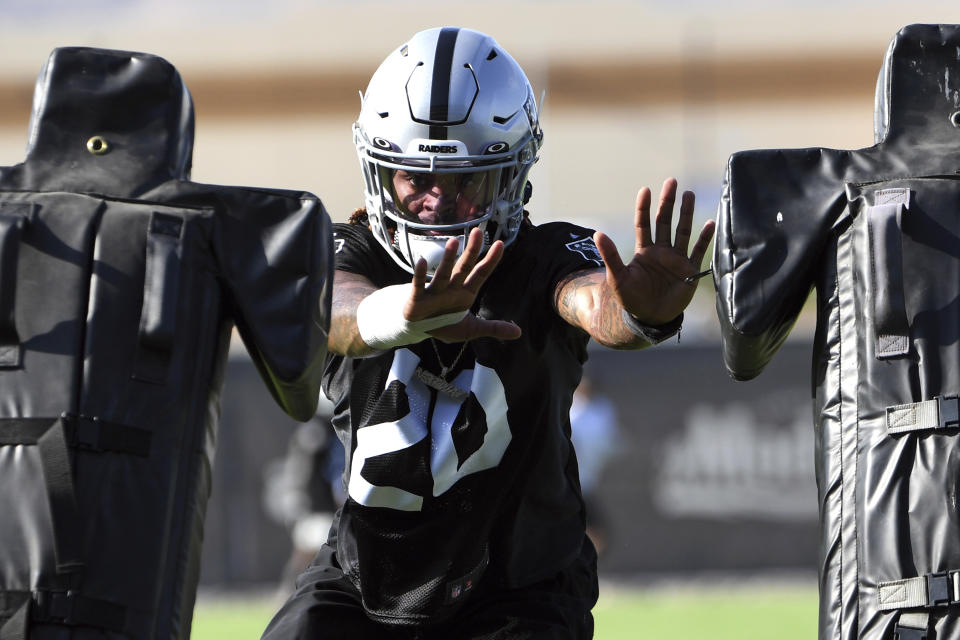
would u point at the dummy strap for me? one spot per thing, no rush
(940, 589)
(886, 271)
(934, 589)
(930, 591)
(942, 412)
(161, 289)
(68, 608)
(54, 437)
(12, 217)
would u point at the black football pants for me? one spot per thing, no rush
(327, 606)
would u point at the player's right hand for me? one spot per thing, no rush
(454, 287)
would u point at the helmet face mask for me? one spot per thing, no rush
(438, 199)
(447, 133)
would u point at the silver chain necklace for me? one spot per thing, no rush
(446, 369)
(440, 383)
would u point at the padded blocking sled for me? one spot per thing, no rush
(120, 282)
(877, 232)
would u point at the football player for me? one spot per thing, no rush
(458, 335)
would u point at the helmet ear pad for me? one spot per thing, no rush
(449, 100)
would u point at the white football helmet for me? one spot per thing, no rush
(448, 131)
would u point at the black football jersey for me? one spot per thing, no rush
(459, 463)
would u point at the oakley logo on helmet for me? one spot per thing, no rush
(496, 147)
(382, 143)
(437, 148)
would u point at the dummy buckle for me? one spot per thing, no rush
(943, 588)
(83, 432)
(939, 589)
(908, 633)
(948, 408)
(54, 606)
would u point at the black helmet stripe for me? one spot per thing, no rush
(440, 88)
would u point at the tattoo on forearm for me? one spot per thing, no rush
(585, 301)
(344, 337)
(611, 331)
(571, 289)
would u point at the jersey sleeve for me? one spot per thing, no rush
(357, 251)
(563, 249)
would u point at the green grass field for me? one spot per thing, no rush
(717, 612)
(714, 613)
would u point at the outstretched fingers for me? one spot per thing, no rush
(482, 270)
(641, 220)
(610, 255)
(441, 275)
(703, 242)
(468, 258)
(668, 196)
(685, 223)
(419, 276)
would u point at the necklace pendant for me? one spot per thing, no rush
(440, 384)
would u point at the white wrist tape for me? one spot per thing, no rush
(381, 322)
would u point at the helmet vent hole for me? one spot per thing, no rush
(383, 114)
(492, 54)
(503, 119)
(404, 50)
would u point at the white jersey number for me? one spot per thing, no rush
(387, 437)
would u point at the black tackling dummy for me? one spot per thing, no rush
(120, 281)
(877, 232)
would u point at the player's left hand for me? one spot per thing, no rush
(651, 286)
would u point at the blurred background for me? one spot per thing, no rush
(702, 480)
